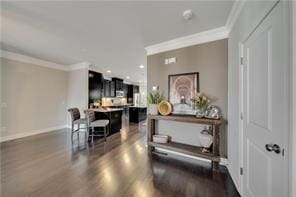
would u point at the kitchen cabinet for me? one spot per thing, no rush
(95, 86)
(107, 88)
(130, 94)
(125, 89)
(118, 84)
(113, 115)
(137, 114)
(112, 89)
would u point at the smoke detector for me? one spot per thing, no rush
(187, 14)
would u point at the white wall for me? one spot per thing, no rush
(250, 16)
(77, 90)
(33, 99)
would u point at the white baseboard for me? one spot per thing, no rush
(234, 179)
(30, 133)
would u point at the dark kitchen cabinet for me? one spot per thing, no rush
(112, 89)
(107, 88)
(130, 93)
(116, 121)
(118, 84)
(137, 114)
(95, 86)
(115, 118)
(125, 89)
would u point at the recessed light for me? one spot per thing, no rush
(108, 71)
(128, 77)
(141, 66)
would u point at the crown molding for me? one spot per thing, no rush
(78, 66)
(199, 38)
(234, 13)
(39, 62)
(31, 60)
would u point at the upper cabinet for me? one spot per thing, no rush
(112, 89)
(95, 86)
(109, 88)
(118, 84)
(100, 87)
(125, 89)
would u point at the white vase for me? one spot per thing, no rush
(206, 139)
(153, 109)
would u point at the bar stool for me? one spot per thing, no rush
(76, 120)
(92, 123)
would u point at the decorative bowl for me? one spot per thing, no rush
(164, 108)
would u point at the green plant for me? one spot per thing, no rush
(155, 97)
(201, 101)
(97, 101)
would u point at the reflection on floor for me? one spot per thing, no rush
(51, 165)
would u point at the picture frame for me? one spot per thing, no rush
(181, 88)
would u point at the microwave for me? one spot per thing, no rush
(119, 94)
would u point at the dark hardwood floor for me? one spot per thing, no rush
(52, 165)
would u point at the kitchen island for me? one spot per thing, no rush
(137, 113)
(114, 115)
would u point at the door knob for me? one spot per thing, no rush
(273, 147)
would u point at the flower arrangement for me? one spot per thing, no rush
(201, 101)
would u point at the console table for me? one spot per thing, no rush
(196, 151)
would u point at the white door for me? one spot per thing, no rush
(265, 107)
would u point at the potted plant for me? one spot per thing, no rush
(97, 103)
(201, 103)
(154, 98)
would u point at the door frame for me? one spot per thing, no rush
(288, 13)
(241, 112)
(292, 178)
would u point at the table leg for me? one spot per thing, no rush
(216, 146)
(150, 133)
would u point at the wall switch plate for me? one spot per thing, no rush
(166, 61)
(171, 60)
(3, 105)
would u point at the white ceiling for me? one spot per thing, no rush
(110, 35)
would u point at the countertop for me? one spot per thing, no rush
(138, 106)
(106, 110)
(119, 105)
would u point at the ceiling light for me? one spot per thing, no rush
(108, 71)
(141, 66)
(187, 14)
(128, 77)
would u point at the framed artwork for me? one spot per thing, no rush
(182, 87)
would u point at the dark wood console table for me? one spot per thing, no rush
(196, 151)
